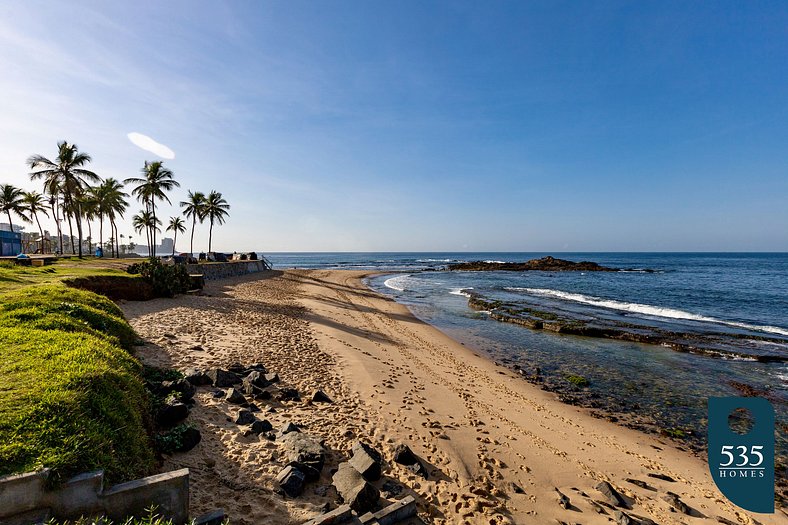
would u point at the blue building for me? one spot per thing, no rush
(10, 243)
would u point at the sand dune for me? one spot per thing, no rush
(496, 447)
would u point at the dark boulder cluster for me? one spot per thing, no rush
(545, 264)
(173, 399)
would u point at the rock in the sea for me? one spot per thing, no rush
(547, 264)
(354, 489)
(405, 456)
(303, 449)
(172, 413)
(245, 417)
(235, 397)
(321, 397)
(367, 461)
(291, 480)
(611, 495)
(222, 378)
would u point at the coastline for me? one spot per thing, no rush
(496, 446)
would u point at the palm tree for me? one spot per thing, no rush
(12, 200)
(35, 204)
(65, 175)
(176, 225)
(193, 207)
(151, 187)
(115, 205)
(89, 204)
(145, 220)
(216, 210)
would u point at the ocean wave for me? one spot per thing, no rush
(397, 283)
(495, 262)
(645, 309)
(438, 260)
(460, 291)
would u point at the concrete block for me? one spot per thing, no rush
(215, 517)
(394, 513)
(21, 493)
(340, 514)
(169, 492)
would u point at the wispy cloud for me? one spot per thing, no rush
(148, 144)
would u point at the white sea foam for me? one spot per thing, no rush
(645, 309)
(495, 262)
(460, 291)
(437, 260)
(397, 283)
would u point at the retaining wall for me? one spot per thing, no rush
(213, 271)
(24, 498)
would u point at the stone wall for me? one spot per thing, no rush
(25, 498)
(213, 271)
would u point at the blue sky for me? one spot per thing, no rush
(387, 126)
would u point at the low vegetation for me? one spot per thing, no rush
(72, 396)
(167, 280)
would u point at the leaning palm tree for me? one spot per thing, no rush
(193, 208)
(35, 204)
(176, 225)
(67, 175)
(12, 199)
(156, 180)
(216, 210)
(89, 204)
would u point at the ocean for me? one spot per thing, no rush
(726, 312)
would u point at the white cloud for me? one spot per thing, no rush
(148, 144)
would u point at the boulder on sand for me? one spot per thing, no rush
(291, 481)
(222, 378)
(303, 449)
(367, 461)
(354, 489)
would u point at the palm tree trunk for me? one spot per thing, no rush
(153, 228)
(78, 217)
(210, 234)
(191, 243)
(101, 231)
(40, 230)
(10, 224)
(90, 236)
(173, 242)
(116, 246)
(71, 233)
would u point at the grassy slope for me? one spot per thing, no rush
(71, 395)
(13, 277)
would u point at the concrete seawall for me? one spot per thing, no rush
(212, 271)
(25, 499)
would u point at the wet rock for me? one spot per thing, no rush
(354, 489)
(235, 397)
(563, 499)
(611, 495)
(171, 413)
(245, 417)
(291, 481)
(549, 264)
(196, 377)
(222, 378)
(367, 461)
(304, 449)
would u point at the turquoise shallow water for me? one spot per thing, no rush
(736, 295)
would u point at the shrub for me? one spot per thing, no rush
(167, 280)
(577, 380)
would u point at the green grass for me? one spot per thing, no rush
(71, 397)
(577, 380)
(13, 277)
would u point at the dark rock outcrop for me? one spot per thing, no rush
(171, 413)
(291, 481)
(545, 264)
(303, 449)
(222, 378)
(367, 461)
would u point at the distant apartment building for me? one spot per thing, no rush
(10, 241)
(165, 248)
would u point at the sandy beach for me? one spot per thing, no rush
(497, 448)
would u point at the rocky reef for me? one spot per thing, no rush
(545, 264)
